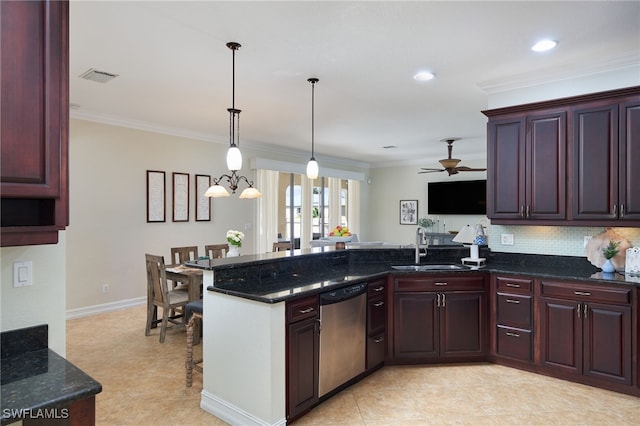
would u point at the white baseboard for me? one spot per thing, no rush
(230, 413)
(105, 307)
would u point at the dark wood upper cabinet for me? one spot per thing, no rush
(35, 120)
(566, 161)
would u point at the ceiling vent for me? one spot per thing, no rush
(98, 76)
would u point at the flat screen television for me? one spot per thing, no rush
(457, 197)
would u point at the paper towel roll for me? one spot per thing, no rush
(474, 252)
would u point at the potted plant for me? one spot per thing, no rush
(234, 238)
(426, 222)
(608, 252)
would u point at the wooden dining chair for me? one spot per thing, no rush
(282, 246)
(179, 255)
(215, 251)
(172, 302)
(194, 329)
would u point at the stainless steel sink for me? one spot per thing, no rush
(428, 267)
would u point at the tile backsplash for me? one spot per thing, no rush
(560, 240)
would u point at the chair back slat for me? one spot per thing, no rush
(215, 251)
(180, 255)
(157, 278)
(282, 246)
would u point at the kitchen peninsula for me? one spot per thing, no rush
(248, 320)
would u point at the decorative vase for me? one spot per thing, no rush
(233, 251)
(608, 267)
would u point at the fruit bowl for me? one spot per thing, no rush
(341, 239)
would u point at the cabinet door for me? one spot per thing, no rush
(463, 328)
(595, 161)
(546, 166)
(629, 161)
(561, 335)
(415, 326)
(506, 175)
(607, 342)
(302, 366)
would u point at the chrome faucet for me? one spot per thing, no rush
(419, 234)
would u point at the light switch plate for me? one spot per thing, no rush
(506, 239)
(22, 274)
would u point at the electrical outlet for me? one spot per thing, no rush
(506, 239)
(105, 288)
(587, 238)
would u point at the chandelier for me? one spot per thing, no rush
(234, 156)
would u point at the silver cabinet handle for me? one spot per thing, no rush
(582, 293)
(528, 214)
(437, 300)
(378, 288)
(585, 311)
(512, 285)
(378, 304)
(307, 310)
(513, 301)
(615, 210)
(512, 334)
(621, 210)
(440, 283)
(444, 299)
(378, 340)
(579, 307)
(522, 211)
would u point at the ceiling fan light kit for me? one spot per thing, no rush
(450, 164)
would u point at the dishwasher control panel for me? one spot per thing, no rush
(344, 293)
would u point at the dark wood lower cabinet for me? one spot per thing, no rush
(303, 349)
(589, 339)
(449, 325)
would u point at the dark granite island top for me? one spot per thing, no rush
(274, 277)
(36, 382)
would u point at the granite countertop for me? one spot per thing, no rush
(283, 285)
(35, 378)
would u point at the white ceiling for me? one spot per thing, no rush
(175, 70)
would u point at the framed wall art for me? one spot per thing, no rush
(180, 197)
(156, 196)
(203, 204)
(408, 212)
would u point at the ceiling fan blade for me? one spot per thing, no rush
(431, 170)
(469, 169)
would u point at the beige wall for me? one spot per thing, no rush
(41, 303)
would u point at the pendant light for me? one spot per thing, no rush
(234, 156)
(312, 165)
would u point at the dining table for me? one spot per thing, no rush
(192, 277)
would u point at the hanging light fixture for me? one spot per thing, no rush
(312, 165)
(234, 156)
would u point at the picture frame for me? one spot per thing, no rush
(203, 204)
(156, 196)
(180, 200)
(408, 212)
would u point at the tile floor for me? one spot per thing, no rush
(144, 384)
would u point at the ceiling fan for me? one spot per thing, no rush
(450, 164)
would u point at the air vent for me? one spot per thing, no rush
(98, 76)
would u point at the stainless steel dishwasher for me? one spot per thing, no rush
(343, 323)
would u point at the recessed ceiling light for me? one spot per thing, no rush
(423, 76)
(544, 45)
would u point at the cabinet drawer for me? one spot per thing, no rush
(514, 343)
(514, 310)
(377, 315)
(304, 308)
(376, 346)
(514, 285)
(376, 288)
(586, 292)
(439, 283)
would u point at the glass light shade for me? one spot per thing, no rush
(449, 163)
(250, 192)
(312, 169)
(216, 191)
(234, 158)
